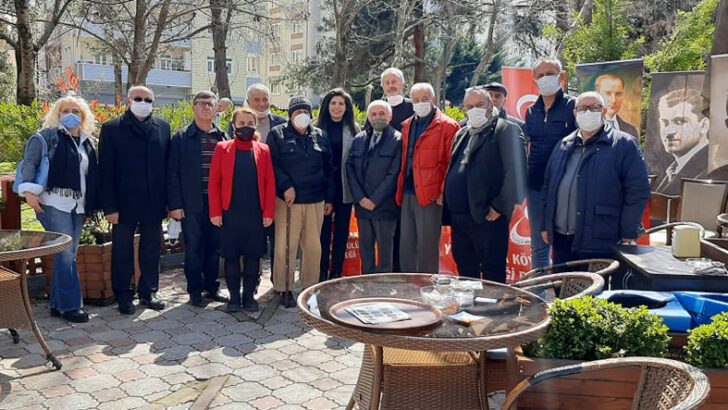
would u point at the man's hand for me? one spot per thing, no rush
(177, 214)
(34, 201)
(216, 220)
(492, 215)
(439, 200)
(267, 222)
(328, 209)
(289, 196)
(545, 237)
(367, 204)
(113, 218)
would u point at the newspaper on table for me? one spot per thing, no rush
(377, 313)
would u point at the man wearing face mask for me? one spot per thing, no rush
(548, 121)
(392, 81)
(303, 165)
(596, 187)
(188, 172)
(372, 170)
(132, 168)
(487, 170)
(426, 146)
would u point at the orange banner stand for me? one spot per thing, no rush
(352, 257)
(519, 244)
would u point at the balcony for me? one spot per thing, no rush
(105, 73)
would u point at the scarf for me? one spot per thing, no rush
(140, 128)
(64, 171)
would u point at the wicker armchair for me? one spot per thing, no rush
(669, 226)
(571, 285)
(603, 267)
(664, 384)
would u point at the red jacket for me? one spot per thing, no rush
(430, 160)
(220, 187)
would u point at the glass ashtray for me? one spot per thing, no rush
(699, 263)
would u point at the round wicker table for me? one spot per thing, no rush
(16, 248)
(510, 317)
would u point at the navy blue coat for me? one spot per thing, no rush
(374, 174)
(613, 190)
(184, 170)
(132, 169)
(544, 129)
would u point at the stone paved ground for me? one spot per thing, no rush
(167, 359)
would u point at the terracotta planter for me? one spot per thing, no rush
(94, 269)
(604, 390)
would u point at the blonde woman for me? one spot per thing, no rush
(69, 194)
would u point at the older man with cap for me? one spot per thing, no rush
(303, 166)
(498, 95)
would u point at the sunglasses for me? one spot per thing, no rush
(140, 99)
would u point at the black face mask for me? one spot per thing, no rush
(245, 133)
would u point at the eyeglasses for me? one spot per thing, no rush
(140, 99)
(205, 104)
(592, 108)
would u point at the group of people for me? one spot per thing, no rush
(290, 184)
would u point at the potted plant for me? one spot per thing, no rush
(707, 348)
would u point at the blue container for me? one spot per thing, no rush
(703, 306)
(663, 304)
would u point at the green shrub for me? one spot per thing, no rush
(591, 329)
(708, 344)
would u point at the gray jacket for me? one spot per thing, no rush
(348, 138)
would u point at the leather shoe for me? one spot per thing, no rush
(232, 307)
(250, 305)
(55, 312)
(76, 316)
(126, 308)
(288, 300)
(217, 296)
(198, 301)
(152, 302)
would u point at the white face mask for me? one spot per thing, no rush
(141, 109)
(422, 109)
(302, 121)
(589, 121)
(549, 85)
(263, 114)
(395, 100)
(477, 117)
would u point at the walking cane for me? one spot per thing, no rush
(288, 246)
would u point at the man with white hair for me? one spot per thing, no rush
(258, 98)
(548, 121)
(426, 145)
(392, 80)
(596, 187)
(485, 179)
(372, 171)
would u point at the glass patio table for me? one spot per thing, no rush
(16, 248)
(508, 317)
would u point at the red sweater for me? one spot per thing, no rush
(223, 168)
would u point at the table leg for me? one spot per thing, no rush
(482, 360)
(378, 376)
(15, 336)
(511, 370)
(29, 311)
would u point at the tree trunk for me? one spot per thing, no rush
(140, 21)
(26, 54)
(400, 32)
(219, 46)
(118, 86)
(339, 75)
(489, 46)
(151, 52)
(419, 43)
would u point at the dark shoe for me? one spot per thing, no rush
(249, 303)
(55, 312)
(232, 307)
(288, 300)
(76, 316)
(152, 302)
(126, 308)
(198, 301)
(216, 296)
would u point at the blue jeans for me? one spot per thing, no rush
(540, 250)
(66, 285)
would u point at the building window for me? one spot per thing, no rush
(275, 89)
(275, 59)
(252, 64)
(211, 65)
(297, 27)
(100, 59)
(297, 56)
(171, 63)
(276, 29)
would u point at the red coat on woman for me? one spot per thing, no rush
(220, 187)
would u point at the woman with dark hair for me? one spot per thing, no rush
(337, 119)
(242, 194)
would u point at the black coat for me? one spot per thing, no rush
(374, 174)
(184, 170)
(133, 169)
(496, 170)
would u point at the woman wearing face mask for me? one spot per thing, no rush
(69, 195)
(242, 196)
(336, 117)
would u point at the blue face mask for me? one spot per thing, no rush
(70, 121)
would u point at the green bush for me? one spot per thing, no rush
(708, 344)
(591, 329)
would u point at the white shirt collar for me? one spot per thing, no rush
(682, 160)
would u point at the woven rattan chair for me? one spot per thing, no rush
(664, 384)
(603, 267)
(571, 285)
(668, 227)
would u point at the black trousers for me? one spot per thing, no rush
(480, 249)
(562, 250)
(379, 232)
(269, 243)
(122, 259)
(250, 275)
(333, 244)
(202, 252)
